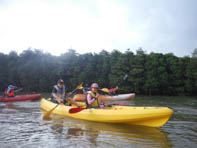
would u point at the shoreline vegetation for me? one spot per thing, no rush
(142, 73)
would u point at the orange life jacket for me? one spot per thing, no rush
(11, 94)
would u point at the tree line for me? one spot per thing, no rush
(142, 73)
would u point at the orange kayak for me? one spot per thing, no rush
(82, 97)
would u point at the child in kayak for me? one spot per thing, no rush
(92, 100)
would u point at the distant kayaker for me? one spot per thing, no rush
(112, 91)
(59, 92)
(10, 92)
(92, 100)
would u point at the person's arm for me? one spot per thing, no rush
(100, 102)
(89, 99)
(70, 99)
(8, 91)
(58, 99)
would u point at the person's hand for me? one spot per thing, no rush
(97, 95)
(60, 101)
(102, 105)
(105, 105)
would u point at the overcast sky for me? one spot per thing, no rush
(161, 26)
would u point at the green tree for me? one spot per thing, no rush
(191, 77)
(153, 74)
(137, 70)
(4, 70)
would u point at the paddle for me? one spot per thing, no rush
(78, 109)
(47, 114)
(78, 87)
(18, 90)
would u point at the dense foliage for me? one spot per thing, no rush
(148, 74)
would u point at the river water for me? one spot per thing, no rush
(22, 126)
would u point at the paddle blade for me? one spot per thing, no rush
(47, 114)
(80, 86)
(75, 110)
(105, 90)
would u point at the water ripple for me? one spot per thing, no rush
(22, 126)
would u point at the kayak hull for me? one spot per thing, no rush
(20, 98)
(82, 97)
(145, 116)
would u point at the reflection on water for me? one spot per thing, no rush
(73, 132)
(22, 125)
(106, 135)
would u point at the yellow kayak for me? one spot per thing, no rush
(145, 116)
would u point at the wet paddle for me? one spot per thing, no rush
(47, 114)
(78, 109)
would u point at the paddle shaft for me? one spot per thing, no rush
(18, 90)
(47, 114)
(75, 89)
(54, 107)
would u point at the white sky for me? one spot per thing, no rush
(92, 25)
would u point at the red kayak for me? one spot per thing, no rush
(20, 98)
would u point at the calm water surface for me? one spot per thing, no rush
(21, 125)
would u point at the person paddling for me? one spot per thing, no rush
(112, 91)
(10, 92)
(92, 100)
(59, 92)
